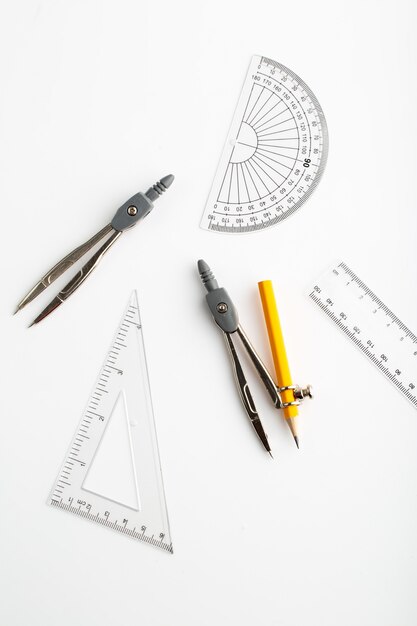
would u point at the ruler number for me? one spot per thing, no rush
(396, 359)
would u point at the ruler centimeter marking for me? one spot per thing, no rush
(123, 371)
(367, 321)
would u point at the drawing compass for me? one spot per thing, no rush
(127, 216)
(226, 317)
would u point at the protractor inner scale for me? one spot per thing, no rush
(274, 155)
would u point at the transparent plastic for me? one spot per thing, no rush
(111, 474)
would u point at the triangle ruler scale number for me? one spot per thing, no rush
(274, 155)
(111, 473)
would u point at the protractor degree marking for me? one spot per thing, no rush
(244, 178)
(280, 139)
(270, 166)
(230, 184)
(278, 162)
(280, 101)
(267, 113)
(257, 113)
(257, 126)
(247, 103)
(274, 204)
(252, 164)
(286, 157)
(283, 138)
(261, 143)
(276, 132)
(313, 101)
(265, 172)
(275, 116)
(261, 197)
(262, 90)
(249, 174)
(254, 184)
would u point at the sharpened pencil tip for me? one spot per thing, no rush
(296, 441)
(270, 454)
(33, 323)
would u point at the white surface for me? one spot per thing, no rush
(99, 99)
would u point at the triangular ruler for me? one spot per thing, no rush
(111, 474)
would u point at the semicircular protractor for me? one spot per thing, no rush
(274, 155)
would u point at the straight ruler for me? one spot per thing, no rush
(370, 325)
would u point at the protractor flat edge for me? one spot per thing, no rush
(275, 152)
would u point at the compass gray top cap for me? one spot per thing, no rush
(167, 180)
(160, 187)
(203, 266)
(207, 276)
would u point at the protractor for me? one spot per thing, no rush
(274, 155)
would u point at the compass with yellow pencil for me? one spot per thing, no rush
(283, 393)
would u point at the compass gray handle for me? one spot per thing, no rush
(135, 209)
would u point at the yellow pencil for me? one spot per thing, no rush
(279, 353)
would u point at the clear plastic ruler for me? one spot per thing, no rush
(111, 474)
(274, 155)
(369, 324)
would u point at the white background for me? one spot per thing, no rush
(100, 99)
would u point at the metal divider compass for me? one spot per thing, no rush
(129, 214)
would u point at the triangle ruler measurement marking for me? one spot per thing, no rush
(364, 318)
(274, 155)
(111, 474)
